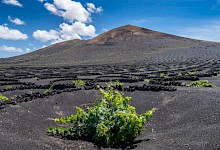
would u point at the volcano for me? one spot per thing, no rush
(125, 44)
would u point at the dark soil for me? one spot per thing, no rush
(187, 118)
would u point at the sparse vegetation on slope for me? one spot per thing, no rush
(111, 121)
(116, 83)
(48, 90)
(78, 82)
(164, 75)
(200, 84)
(146, 80)
(9, 87)
(190, 73)
(3, 98)
(180, 74)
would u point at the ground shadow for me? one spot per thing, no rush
(123, 146)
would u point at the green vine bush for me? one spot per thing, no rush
(180, 74)
(3, 98)
(49, 90)
(146, 80)
(200, 84)
(9, 87)
(78, 82)
(190, 73)
(115, 83)
(111, 121)
(164, 75)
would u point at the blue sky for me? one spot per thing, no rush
(28, 25)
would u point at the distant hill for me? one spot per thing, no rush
(125, 44)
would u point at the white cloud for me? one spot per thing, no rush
(69, 10)
(57, 41)
(11, 34)
(16, 21)
(99, 9)
(52, 8)
(104, 29)
(44, 36)
(12, 2)
(72, 10)
(65, 32)
(79, 28)
(68, 36)
(76, 14)
(92, 8)
(28, 50)
(41, 1)
(30, 44)
(209, 32)
(140, 21)
(10, 49)
(43, 46)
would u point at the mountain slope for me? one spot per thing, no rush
(121, 45)
(43, 52)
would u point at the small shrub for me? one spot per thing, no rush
(217, 75)
(200, 84)
(164, 75)
(49, 90)
(111, 121)
(13, 97)
(35, 78)
(180, 74)
(190, 73)
(116, 83)
(146, 80)
(78, 82)
(152, 75)
(3, 98)
(9, 87)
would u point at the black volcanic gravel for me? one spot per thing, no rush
(185, 119)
